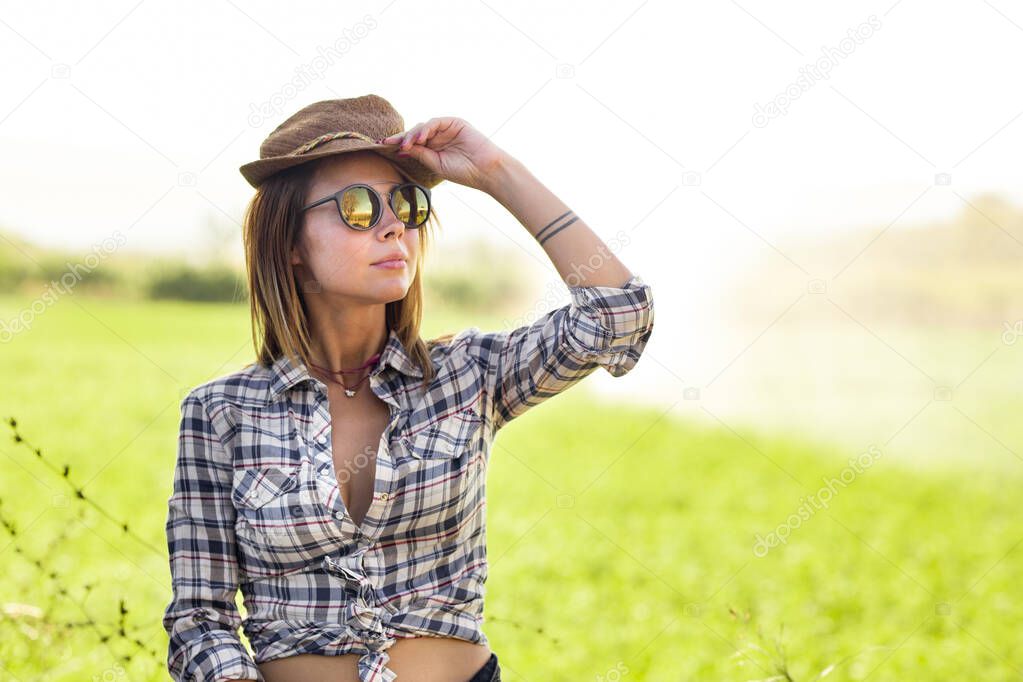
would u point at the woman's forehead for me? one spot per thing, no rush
(341, 171)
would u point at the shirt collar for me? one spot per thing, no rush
(285, 374)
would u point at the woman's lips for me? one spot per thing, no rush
(396, 264)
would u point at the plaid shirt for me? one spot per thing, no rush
(256, 503)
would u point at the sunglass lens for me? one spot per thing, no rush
(413, 207)
(360, 207)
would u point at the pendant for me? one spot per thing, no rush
(350, 393)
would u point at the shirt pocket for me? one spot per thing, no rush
(282, 522)
(255, 487)
(449, 437)
(440, 473)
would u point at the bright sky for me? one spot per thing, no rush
(135, 117)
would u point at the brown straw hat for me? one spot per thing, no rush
(335, 126)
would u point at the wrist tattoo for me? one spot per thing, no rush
(555, 226)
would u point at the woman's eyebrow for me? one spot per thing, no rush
(390, 183)
(382, 182)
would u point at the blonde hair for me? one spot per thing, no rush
(271, 226)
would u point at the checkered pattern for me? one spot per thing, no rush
(256, 503)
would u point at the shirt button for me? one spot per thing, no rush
(339, 515)
(322, 439)
(383, 496)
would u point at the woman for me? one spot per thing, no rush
(339, 480)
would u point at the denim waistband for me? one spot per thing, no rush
(490, 672)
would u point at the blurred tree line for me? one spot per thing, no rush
(963, 271)
(462, 278)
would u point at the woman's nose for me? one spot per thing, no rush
(389, 223)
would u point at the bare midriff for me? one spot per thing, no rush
(414, 659)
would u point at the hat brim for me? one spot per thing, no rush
(255, 172)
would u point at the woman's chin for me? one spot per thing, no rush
(394, 289)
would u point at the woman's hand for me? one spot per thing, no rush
(453, 149)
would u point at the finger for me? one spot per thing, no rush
(424, 132)
(429, 129)
(397, 138)
(409, 137)
(405, 147)
(424, 155)
(445, 130)
(421, 133)
(417, 134)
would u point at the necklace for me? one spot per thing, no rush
(350, 392)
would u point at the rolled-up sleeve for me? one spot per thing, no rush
(202, 618)
(603, 326)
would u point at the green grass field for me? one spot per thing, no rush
(621, 543)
